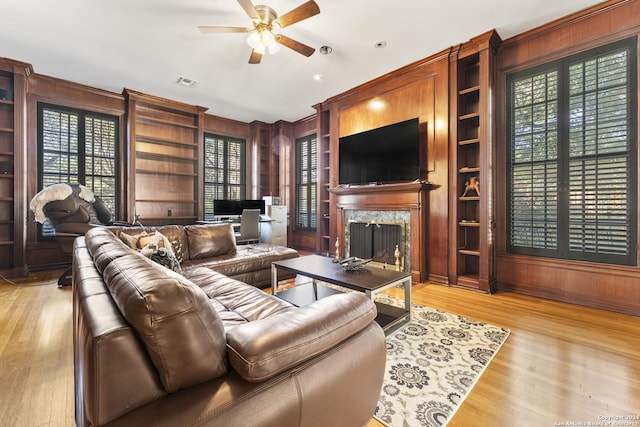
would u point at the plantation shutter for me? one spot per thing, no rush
(534, 163)
(77, 146)
(572, 157)
(306, 182)
(224, 171)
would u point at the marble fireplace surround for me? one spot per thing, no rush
(406, 202)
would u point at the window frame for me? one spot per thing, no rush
(562, 67)
(226, 185)
(306, 219)
(112, 200)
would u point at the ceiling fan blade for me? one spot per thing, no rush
(250, 9)
(221, 29)
(255, 57)
(304, 11)
(301, 48)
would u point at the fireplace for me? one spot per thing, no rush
(403, 205)
(383, 242)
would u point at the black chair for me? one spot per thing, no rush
(71, 210)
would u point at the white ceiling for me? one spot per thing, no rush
(145, 45)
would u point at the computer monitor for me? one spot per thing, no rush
(254, 204)
(235, 207)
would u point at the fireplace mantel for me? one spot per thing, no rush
(411, 197)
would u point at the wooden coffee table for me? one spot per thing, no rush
(370, 280)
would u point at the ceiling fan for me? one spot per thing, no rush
(264, 36)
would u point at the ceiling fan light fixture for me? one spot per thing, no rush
(254, 39)
(274, 48)
(262, 40)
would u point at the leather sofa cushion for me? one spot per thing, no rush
(263, 348)
(206, 241)
(177, 323)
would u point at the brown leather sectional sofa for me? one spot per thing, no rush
(153, 347)
(213, 246)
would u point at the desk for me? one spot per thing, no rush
(267, 229)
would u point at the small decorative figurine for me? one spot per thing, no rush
(473, 184)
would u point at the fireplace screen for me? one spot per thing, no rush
(377, 241)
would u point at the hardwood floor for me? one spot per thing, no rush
(561, 362)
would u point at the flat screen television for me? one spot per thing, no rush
(235, 207)
(384, 155)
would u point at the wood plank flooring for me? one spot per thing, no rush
(561, 362)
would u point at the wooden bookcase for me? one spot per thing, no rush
(13, 83)
(165, 148)
(471, 257)
(264, 137)
(323, 244)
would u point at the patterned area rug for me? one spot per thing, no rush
(433, 362)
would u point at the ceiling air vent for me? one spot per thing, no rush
(183, 81)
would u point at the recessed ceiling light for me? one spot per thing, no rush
(325, 50)
(380, 44)
(183, 81)
(318, 77)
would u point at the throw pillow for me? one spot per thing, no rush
(156, 238)
(129, 240)
(178, 251)
(166, 258)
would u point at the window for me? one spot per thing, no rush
(572, 146)
(306, 180)
(78, 146)
(224, 170)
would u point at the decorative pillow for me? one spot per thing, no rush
(156, 238)
(178, 250)
(166, 258)
(129, 240)
(210, 240)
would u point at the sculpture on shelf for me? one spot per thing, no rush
(473, 184)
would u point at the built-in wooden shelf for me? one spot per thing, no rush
(469, 224)
(469, 90)
(469, 141)
(156, 172)
(466, 251)
(165, 122)
(468, 169)
(163, 156)
(473, 115)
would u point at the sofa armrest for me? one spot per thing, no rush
(264, 348)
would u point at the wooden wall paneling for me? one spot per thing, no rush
(472, 139)
(216, 125)
(610, 287)
(165, 140)
(418, 90)
(324, 244)
(13, 82)
(302, 239)
(260, 160)
(40, 88)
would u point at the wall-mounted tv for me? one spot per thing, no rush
(235, 207)
(384, 155)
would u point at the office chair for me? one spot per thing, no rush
(71, 209)
(249, 227)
